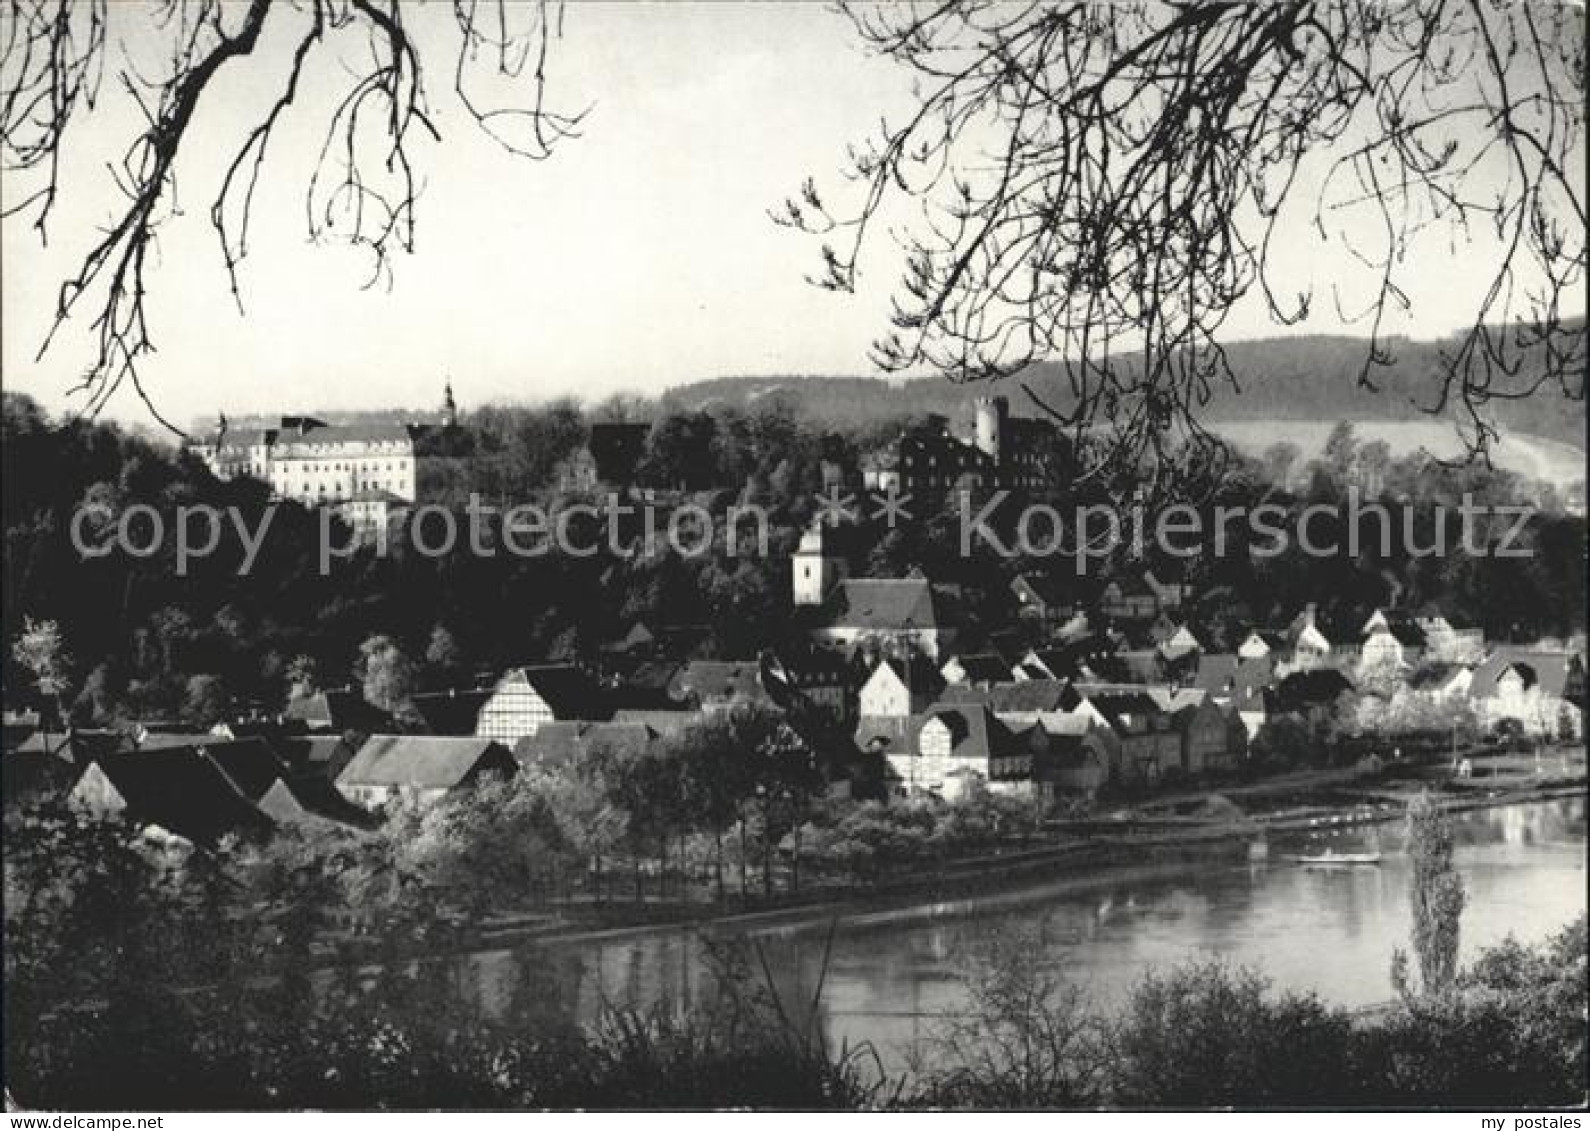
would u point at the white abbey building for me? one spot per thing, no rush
(363, 469)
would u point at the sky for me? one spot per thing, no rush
(640, 256)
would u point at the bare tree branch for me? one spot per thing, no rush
(1099, 185)
(364, 187)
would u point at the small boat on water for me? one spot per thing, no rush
(1338, 858)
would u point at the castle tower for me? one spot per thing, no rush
(449, 408)
(992, 413)
(812, 572)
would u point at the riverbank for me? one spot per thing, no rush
(1125, 847)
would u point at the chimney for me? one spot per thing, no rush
(1308, 614)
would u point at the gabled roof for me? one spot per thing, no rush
(1118, 706)
(422, 761)
(883, 605)
(314, 753)
(454, 712)
(1066, 661)
(1403, 629)
(341, 709)
(1053, 723)
(568, 690)
(560, 744)
(1550, 671)
(311, 799)
(249, 763)
(1434, 674)
(982, 667)
(920, 677)
(182, 791)
(974, 732)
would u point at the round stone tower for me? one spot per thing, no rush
(992, 413)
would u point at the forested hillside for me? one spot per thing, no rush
(1302, 378)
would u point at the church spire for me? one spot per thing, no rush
(449, 407)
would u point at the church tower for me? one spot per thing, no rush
(993, 415)
(449, 408)
(812, 572)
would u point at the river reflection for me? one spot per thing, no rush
(1329, 930)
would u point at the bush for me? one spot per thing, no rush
(1205, 1035)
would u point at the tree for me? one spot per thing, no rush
(1279, 460)
(42, 653)
(1341, 452)
(387, 674)
(205, 701)
(443, 655)
(364, 186)
(1438, 897)
(1095, 179)
(303, 677)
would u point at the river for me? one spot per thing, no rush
(889, 976)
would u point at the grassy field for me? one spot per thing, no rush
(1527, 455)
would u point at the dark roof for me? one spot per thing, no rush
(182, 791)
(289, 439)
(1044, 587)
(422, 761)
(316, 753)
(569, 691)
(1117, 706)
(340, 709)
(1318, 687)
(875, 605)
(1135, 666)
(311, 799)
(1432, 673)
(1014, 697)
(453, 712)
(1066, 661)
(250, 763)
(983, 667)
(1404, 628)
(1329, 625)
